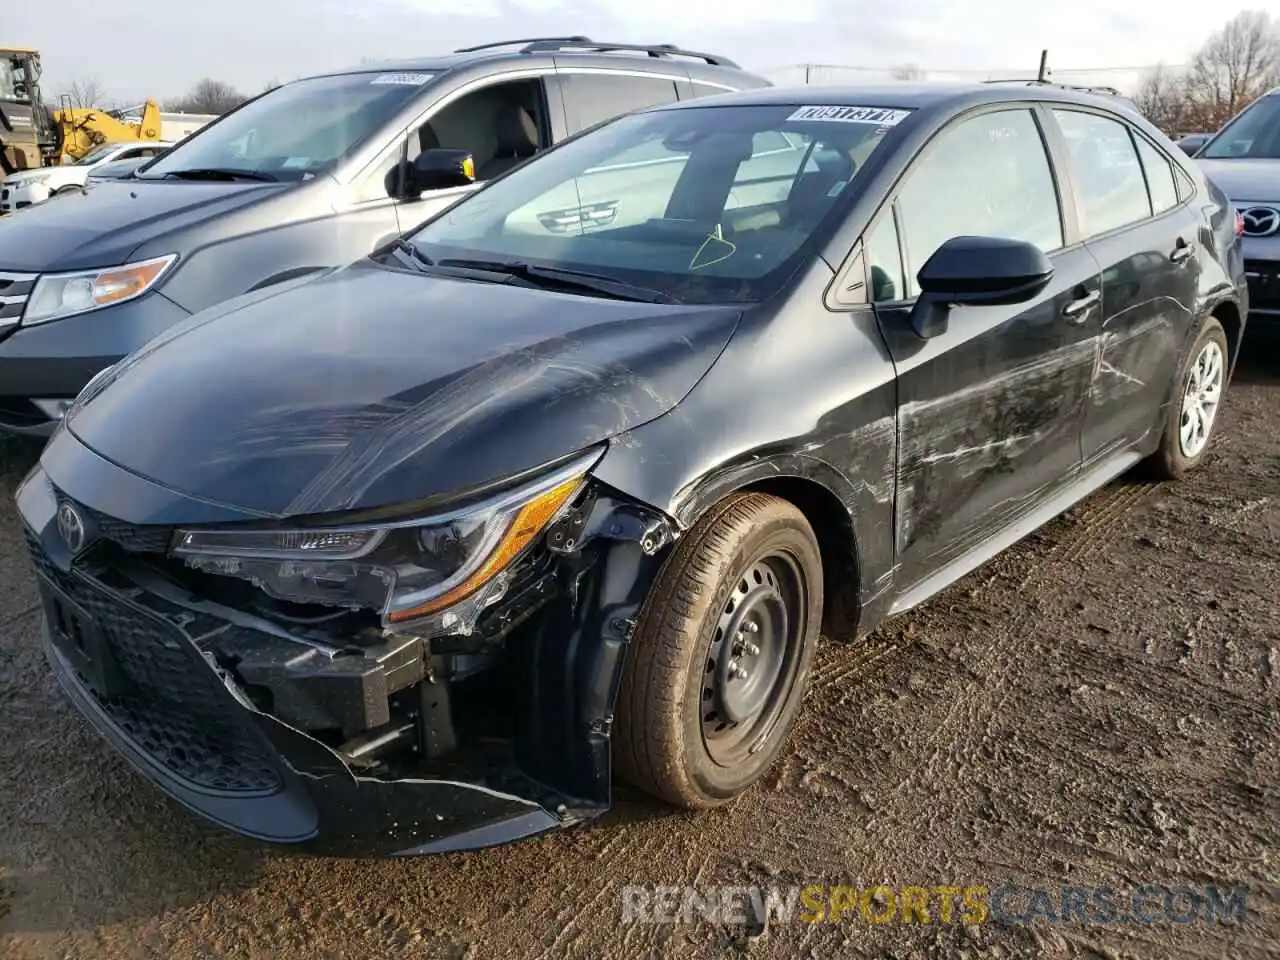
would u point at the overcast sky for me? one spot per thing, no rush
(159, 48)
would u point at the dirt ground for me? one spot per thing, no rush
(1098, 707)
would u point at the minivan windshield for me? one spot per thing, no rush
(296, 131)
(707, 204)
(1253, 134)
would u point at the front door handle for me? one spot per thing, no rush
(1077, 310)
(1181, 251)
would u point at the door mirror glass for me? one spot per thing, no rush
(435, 169)
(976, 271)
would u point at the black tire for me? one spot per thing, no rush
(1171, 460)
(750, 557)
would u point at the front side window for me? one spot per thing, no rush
(709, 204)
(296, 131)
(9, 79)
(985, 176)
(1108, 175)
(1255, 133)
(591, 98)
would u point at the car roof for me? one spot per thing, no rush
(903, 96)
(662, 57)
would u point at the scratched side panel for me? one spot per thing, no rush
(799, 392)
(1149, 304)
(990, 415)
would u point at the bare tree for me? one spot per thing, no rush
(209, 96)
(1235, 66)
(907, 71)
(86, 93)
(1164, 97)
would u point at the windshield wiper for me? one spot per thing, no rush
(410, 255)
(221, 173)
(564, 279)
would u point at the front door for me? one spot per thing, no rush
(989, 413)
(1144, 240)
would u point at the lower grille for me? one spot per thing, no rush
(1264, 283)
(176, 708)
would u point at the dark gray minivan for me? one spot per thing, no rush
(297, 180)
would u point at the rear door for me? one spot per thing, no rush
(989, 413)
(1145, 239)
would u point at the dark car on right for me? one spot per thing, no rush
(1244, 160)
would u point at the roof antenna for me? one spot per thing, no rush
(1043, 76)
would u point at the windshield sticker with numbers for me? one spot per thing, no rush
(879, 116)
(402, 79)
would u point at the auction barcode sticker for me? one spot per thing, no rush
(402, 79)
(880, 116)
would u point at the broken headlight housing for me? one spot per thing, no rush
(427, 575)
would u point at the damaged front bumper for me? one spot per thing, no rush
(398, 747)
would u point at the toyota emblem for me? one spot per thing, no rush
(72, 527)
(1261, 221)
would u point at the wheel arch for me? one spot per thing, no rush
(1227, 313)
(820, 493)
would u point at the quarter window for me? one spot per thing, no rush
(1107, 172)
(985, 176)
(591, 98)
(1160, 177)
(884, 260)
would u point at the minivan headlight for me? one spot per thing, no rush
(435, 573)
(58, 295)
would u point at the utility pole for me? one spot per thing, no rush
(1043, 76)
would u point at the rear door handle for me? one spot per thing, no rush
(1181, 251)
(1077, 310)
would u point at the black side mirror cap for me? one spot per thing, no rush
(431, 170)
(977, 271)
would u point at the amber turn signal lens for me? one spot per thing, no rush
(123, 284)
(531, 519)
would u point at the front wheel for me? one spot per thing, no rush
(1189, 423)
(719, 662)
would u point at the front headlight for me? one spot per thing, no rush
(437, 571)
(59, 295)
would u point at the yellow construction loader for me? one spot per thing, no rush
(33, 135)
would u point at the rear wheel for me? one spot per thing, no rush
(1192, 415)
(721, 656)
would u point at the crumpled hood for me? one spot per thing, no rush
(1245, 180)
(103, 227)
(368, 387)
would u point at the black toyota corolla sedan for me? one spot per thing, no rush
(415, 555)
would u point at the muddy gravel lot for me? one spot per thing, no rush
(1096, 708)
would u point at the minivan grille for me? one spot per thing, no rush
(15, 289)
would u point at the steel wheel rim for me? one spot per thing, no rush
(1200, 399)
(751, 663)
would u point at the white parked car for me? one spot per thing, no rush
(29, 187)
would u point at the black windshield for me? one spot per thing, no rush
(703, 204)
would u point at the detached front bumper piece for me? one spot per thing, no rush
(137, 673)
(338, 743)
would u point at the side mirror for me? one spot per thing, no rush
(431, 170)
(976, 271)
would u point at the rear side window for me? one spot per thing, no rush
(1160, 177)
(1108, 175)
(986, 176)
(591, 98)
